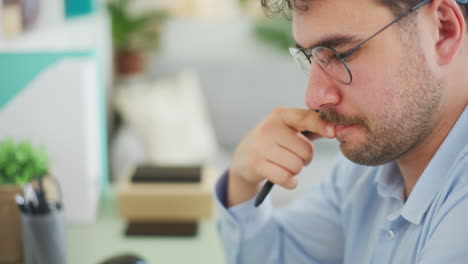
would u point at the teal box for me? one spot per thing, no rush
(74, 8)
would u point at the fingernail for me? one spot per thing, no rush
(292, 183)
(330, 130)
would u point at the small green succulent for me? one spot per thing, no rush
(21, 162)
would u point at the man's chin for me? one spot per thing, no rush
(358, 152)
(351, 137)
(364, 156)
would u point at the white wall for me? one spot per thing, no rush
(242, 79)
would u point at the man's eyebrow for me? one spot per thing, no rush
(334, 41)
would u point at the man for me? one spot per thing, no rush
(396, 101)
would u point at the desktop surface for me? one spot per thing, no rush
(96, 242)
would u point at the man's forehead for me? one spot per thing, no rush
(335, 19)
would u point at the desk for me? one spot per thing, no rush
(91, 243)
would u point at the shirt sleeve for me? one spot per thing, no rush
(307, 231)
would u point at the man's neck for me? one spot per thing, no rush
(413, 164)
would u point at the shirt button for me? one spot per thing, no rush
(390, 234)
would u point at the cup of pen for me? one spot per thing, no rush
(42, 222)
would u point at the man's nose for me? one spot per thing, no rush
(322, 90)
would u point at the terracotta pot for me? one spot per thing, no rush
(129, 62)
(11, 249)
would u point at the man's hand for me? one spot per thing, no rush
(275, 150)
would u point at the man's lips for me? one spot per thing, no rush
(340, 129)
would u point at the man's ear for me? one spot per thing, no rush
(451, 29)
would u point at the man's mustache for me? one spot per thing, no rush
(338, 119)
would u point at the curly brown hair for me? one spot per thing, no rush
(397, 7)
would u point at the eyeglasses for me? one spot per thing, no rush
(333, 62)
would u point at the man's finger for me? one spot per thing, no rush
(306, 120)
(285, 158)
(277, 174)
(292, 141)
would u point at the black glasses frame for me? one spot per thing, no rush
(341, 56)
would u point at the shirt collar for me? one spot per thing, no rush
(436, 172)
(389, 181)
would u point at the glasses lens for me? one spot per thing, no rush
(329, 61)
(301, 59)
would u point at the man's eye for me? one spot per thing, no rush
(325, 62)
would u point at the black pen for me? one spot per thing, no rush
(268, 185)
(43, 206)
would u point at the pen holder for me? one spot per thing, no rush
(44, 238)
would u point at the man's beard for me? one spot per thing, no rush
(396, 129)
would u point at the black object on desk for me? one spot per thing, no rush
(125, 259)
(159, 228)
(167, 174)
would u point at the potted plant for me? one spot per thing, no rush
(133, 35)
(19, 164)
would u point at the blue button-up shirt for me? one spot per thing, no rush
(358, 215)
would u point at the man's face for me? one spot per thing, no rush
(389, 107)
